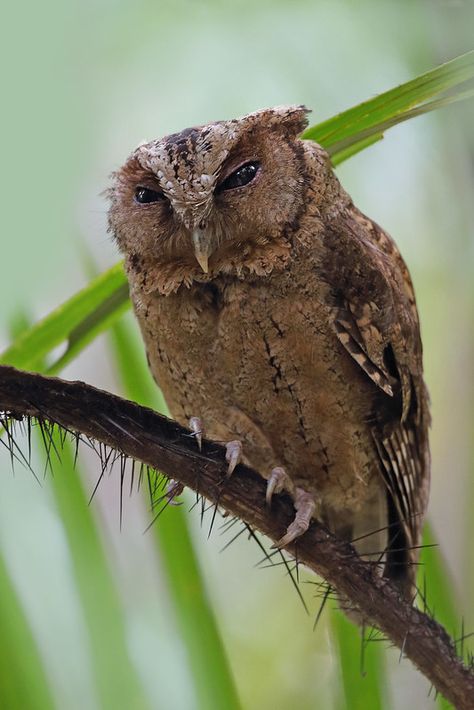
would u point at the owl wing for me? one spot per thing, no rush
(376, 320)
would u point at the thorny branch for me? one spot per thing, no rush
(158, 442)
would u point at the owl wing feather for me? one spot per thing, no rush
(376, 321)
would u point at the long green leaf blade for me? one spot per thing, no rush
(78, 319)
(23, 682)
(391, 107)
(116, 679)
(437, 586)
(347, 147)
(361, 667)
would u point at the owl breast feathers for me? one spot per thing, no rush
(285, 319)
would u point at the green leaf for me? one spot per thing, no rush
(354, 148)
(441, 599)
(361, 667)
(117, 681)
(371, 118)
(77, 321)
(214, 684)
(23, 683)
(437, 586)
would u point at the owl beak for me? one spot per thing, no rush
(202, 248)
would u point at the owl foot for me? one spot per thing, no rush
(233, 455)
(277, 481)
(305, 506)
(195, 424)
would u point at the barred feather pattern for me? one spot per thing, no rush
(380, 331)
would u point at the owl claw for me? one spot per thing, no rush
(195, 424)
(276, 483)
(233, 455)
(305, 506)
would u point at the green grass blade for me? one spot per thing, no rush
(77, 320)
(98, 321)
(212, 676)
(436, 585)
(349, 146)
(362, 671)
(116, 679)
(129, 356)
(441, 598)
(23, 683)
(214, 684)
(345, 153)
(391, 107)
(117, 682)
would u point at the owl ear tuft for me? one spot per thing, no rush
(289, 120)
(293, 119)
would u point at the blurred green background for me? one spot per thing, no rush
(83, 84)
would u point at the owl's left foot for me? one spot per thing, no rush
(305, 506)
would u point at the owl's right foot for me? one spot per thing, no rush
(305, 505)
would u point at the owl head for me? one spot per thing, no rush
(210, 199)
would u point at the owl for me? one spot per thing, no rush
(282, 320)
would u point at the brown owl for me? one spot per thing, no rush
(281, 317)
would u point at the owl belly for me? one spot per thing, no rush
(271, 373)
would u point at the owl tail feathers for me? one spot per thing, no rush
(401, 562)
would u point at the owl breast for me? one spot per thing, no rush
(258, 361)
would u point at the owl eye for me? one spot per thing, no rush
(144, 195)
(240, 177)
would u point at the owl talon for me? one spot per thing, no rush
(305, 506)
(233, 455)
(195, 424)
(276, 483)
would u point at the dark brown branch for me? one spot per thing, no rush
(161, 443)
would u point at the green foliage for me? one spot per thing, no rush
(360, 126)
(361, 667)
(76, 322)
(23, 682)
(116, 679)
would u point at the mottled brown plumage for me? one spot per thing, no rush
(301, 339)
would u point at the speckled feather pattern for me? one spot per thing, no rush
(302, 340)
